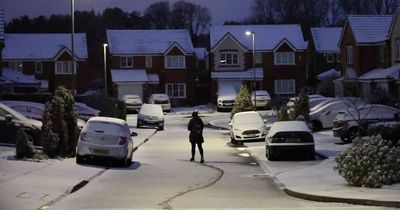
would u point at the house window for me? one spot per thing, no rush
(285, 86)
(175, 62)
(149, 61)
(176, 90)
(284, 58)
(16, 65)
(126, 62)
(63, 67)
(330, 57)
(229, 58)
(349, 54)
(38, 67)
(258, 58)
(382, 53)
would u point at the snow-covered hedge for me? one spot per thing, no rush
(370, 162)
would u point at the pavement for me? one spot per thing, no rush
(316, 180)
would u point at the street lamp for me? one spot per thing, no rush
(105, 68)
(248, 33)
(72, 45)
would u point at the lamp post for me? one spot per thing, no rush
(72, 44)
(105, 68)
(248, 33)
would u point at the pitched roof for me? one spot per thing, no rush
(13, 76)
(43, 46)
(147, 41)
(136, 75)
(267, 37)
(370, 28)
(387, 73)
(326, 39)
(331, 73)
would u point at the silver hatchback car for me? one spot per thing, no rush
(106, 137)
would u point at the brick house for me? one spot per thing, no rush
(280, 57)
(365, 50)
(1, 38)
(47, 57)
(143, 62)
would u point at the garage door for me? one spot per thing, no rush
(124, 89)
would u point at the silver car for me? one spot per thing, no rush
(106, 137)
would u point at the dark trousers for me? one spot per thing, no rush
(199, 145)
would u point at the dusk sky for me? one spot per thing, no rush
(220, 10)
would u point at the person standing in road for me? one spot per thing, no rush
(195, 127)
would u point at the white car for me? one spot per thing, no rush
(352, 123)
(150, 115)
(226, 97)
(162, 100)
(289, 138)
(132, 102)
(106, 137)
(323, 116)
(84, 111)
(292, 100)
(247, 127)
(34, 110)
(260, 98)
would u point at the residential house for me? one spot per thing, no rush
(323, 53)
(48, 57)
(279, 57)
(143, 62)
(1, 37)
(365, 49)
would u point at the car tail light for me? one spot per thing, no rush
(340, 123)
(83, 135)
(122, 140)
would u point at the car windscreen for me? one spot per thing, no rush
(161, 101)
(292, 137)
(248, 118)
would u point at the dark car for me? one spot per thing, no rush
(288, 139)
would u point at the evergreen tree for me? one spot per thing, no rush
(242, 102)
(301, 107)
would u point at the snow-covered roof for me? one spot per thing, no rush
(136, 75)
(201, 53)
(326, 39)
(148, 41)
(285, 126)
(331, 73)
(153, 78)
(350, 73)
(388, 73)
(13, 76)
(1, 24)
(44, 46)
(267, 37)
(370, 28)
(247, 74)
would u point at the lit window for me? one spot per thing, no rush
(284, 58)
(63, 67)
(350, 54)
(285, 86)
(175, 62)
(229, 58)
(176, 90)
(126, 61)
(38, 67)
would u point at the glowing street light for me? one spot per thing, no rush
(248, 33)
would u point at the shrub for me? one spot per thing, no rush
(23, 145)
(50, 143)
(242, 102)
(387, 131)
(283, 114)
(370, 162)
(301, 106)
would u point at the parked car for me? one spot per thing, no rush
(132, 102)
(352, 123)
(34, 110)
(161, 99)
(260, 98)
(315, 101)
(226, 97)
(10, 118)
(84, 111)
(292, 100)
(151, 115)
(323, 117)
(289, 138)
(247, 127)
(105, 137)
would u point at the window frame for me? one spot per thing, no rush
(330, 57)
(279, 83)
(175, 90)
(233, 59)
(258, 57)
(350, 56)
(124, 62)
(279, 58)
(16, 65)
(148, 61)
(168, 62)
(68, 71)
(37, 65)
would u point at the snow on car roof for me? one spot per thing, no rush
(152, 109)
(107, 119)
(287, 126)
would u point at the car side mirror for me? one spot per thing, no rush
(230, 124)
(134, 134)
(9, 117)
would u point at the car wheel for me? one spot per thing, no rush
(161, 128)
(233, 141)
(124, 162)
(79, 159)
(316, 125)
(345, 139)
(353, 133)
(137, 124)
(271, 157)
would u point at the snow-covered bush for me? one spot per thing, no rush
(243, 101)
(23, 145)
(283, 114)
(370, 162)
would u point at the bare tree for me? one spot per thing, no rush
(159, 15)
(263, 12)
(334, 13)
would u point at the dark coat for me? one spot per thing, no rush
(196, 134)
